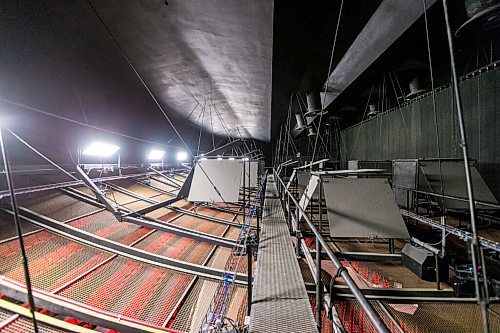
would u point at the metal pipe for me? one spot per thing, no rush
(481, 289)
(372, 315)
(466, 236)
(319, 285)
(249, 279)
(17, 223)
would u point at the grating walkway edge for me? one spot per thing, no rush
(280, 302)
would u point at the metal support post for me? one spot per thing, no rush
(19, 230)
(288, 213)
(319, 284)
(438, 282)
(391, 245)
(244, 191)
(297, 231)
(249, 278)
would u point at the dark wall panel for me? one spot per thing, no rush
(410, 131)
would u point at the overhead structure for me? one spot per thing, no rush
(191, 66)
(439, 177)
(381, 31)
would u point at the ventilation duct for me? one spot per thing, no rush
(300, 121)
(313, 104)
(373, 111)
(484, 15)
(415, 89)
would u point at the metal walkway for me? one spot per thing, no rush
(280, 302)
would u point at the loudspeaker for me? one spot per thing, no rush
(422, 262)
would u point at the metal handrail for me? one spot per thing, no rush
(372, 315)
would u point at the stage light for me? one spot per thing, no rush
(101, 149)
(156, 155)
(246, 159)
(182, 156)
(231, 158)
(219, 158)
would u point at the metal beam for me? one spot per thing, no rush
(391, 19)
(226, 147)
(400, 295)
(100, 196)
(67, 307)
(92, 240)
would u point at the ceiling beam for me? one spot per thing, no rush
(391, 19)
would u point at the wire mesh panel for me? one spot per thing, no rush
(132, 289)
(161, 184)
(23, 325)
(190, 315)
(176, 247)
(55, 205)
(135, 187)
(105, 224)
(8, 229)
(199, 224)
(53, 260)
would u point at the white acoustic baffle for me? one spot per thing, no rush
(216, 181)
(363, 207)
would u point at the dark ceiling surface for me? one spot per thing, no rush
(208, 63)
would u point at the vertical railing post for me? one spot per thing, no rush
(297, 231)
(249, 278)
(288, 213)
(319, 285)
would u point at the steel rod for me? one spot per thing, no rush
(476, 253)
(19, 230)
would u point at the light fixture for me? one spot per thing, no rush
(101, 149)
(246, 159)
(231, 158)
(181, 156)
(156, 155)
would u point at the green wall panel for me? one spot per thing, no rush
(410, 131)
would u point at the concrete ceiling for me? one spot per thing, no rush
(210, 56)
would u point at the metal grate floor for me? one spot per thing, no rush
(280, 301)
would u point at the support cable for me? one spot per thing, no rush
(19, 230)
(328, 76)
(476, 249)
(26, 107)
(431, 72)
(139, 76)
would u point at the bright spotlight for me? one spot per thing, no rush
(182, 156)
(156, 155)
(231, 158)
(246, 159)
(101, 149)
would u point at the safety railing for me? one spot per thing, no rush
(287, 197)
